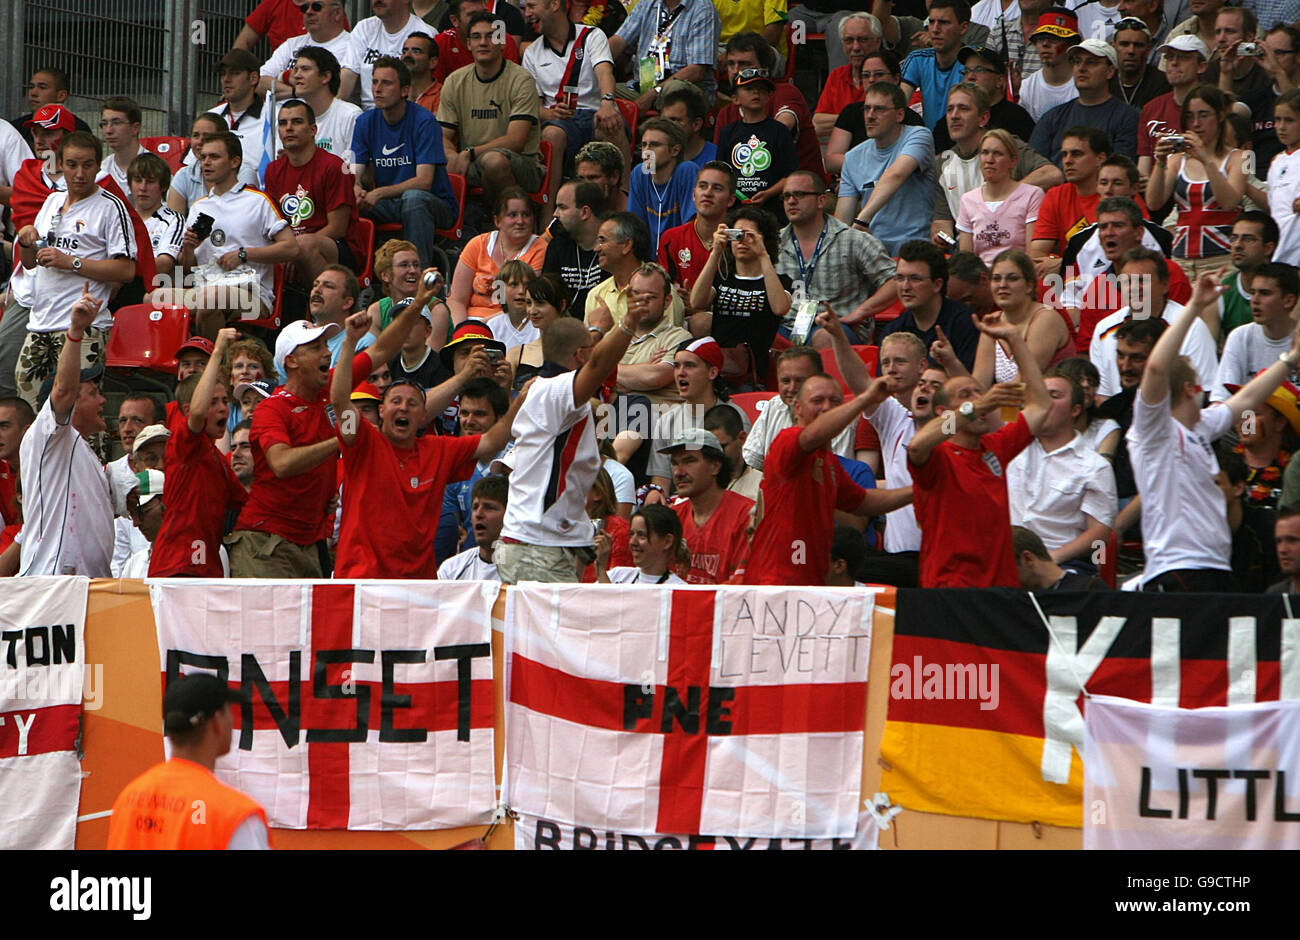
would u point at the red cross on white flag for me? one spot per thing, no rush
(372, 702)
(724, 711)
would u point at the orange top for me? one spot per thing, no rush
(178, 805)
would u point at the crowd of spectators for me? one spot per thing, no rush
(593, 292)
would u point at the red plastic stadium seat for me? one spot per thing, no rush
(1109, 561)
(147, 337)
(629, 115)
(171, 149)
(367, 272)
(271, 322)
(750, 402)
(460, 190)
(868, 354)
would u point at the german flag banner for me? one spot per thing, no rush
(987, 687)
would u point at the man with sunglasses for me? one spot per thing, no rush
(325, 25)
(830, 261)
(1136, 80)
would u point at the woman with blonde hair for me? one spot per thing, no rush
(1001, 213)
(1013, 282)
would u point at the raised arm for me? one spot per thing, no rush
(495, 438)
(1155, 377)
(1037, 400)
(476, 365)
(201, 400)
(944, 426)
(390, 341)
(355, 327)
(856, 374)
(605, 358)
(827, 426)
(67, 376)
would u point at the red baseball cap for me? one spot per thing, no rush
(53, 117)
(707, 348)
(198, 344)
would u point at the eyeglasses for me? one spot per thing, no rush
(313, 7)
(982, 70)
(792, 194)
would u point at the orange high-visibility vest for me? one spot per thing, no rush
(178, 805)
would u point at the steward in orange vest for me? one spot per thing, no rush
(179, 804)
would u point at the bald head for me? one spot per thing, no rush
(562, 339)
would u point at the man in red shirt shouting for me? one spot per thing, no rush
(958, 464)
(282, 529)
(804, 483)
(394, 480)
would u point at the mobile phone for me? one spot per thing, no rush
(947, 239)
(202, 226)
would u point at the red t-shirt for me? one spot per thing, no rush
(720, 547)
(1063, 212)
(392, 501)
(682, 254)
(294, 507)
(8, 494)
(801, 492)
(305, 195)
(620, 554)
(838, 92)
(960, 499)
(451, 56)
(806, 146)
(280, 20)
(1103, 297)
(1160, 116)
(201, 489)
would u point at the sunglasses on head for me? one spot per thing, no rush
(748, 74)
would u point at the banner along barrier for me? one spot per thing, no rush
(122, 738)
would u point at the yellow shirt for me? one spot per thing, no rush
(616, 300)
(740, 16)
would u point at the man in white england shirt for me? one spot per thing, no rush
(1187, 541)
(67, 507)
(555, 455)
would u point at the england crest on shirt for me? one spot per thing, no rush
(991, 459)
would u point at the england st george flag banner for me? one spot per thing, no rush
(42, 673)
(372, 703)
(1191, 778)
(985, 705)
(724, 711)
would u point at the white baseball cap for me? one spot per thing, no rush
(1186, 43)
(299, 333)
(1097, 47)
(149, 484)
(149, 434)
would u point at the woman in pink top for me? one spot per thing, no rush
(474, 286)
(1001, 213)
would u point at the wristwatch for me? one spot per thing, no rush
(243, 256)
(470, 152)
(1286, 357)
(76, 264)
(967, 409)
(606, 97)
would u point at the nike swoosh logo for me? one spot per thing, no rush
(388, 150)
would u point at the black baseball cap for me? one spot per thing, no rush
(992, 56)
(193, 699)
(92, 374)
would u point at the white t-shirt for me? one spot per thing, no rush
(1096, 20)
(128, 541)
(110, 168)
(13, 151)
(166, 231)
(1245, 352)
(1198, 346)
(773, 418)
(242, 217)
(1097, 431)
(547, 67)
(93, 229)
(1038, 97)
(633, 575)
(623, 480)
(334, 127)
(1050, 492)
(1283, 190)
(468, 566)
(503, 330)
(1184, 519)
(285, 54)
(121, 480)
(895, 427)
(137, 566)
(555, 460)
(370, 40)
(22, 283)
(67, 509)
(988, 12)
